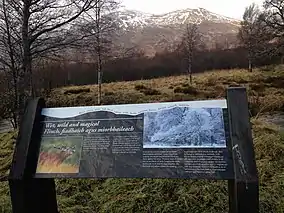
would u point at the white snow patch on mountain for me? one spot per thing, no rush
(134, 18)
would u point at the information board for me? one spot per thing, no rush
(156, 140)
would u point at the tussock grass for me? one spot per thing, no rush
(266, 93)
(7, 141)
(186, 89)
(147, 91)
(76, 90)
(6, 151)
(140, 87)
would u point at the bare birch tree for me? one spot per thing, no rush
(100, 31)
(191, 41)
(249, 33)
(44, 23)
(39, 27)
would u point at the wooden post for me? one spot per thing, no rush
(244, 189)
(27, 193)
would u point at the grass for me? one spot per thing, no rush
(77, 90)
(147, 91)
(7, 142)
(186, 90)
(166, 195)
(266, 93)
(170, 195)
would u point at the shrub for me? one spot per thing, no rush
(242, 81)
(81, 100)
(234, 84)
(109, 100)
(122, 98)
(186, 90)
(211, 81)
(77, 91)
(268, 68)
(257, 87)
(149, 91)
(146, 90)
(140, 87)
(185, 85)
(275, 81)
(109, 93)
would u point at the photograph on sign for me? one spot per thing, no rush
(165, 140)
(60, 155)
(183, 127)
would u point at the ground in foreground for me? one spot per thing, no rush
(266, 94)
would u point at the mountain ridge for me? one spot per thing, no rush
(156, 32)
(174, 17)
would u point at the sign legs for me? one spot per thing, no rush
(33, 195)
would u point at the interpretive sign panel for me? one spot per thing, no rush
(199, 139)
(158, 140)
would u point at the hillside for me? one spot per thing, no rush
(265, 89)
(266, 95)
(154, 33)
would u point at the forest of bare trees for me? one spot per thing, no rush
(49, 44)
(37, 32)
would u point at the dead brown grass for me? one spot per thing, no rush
(265, 90)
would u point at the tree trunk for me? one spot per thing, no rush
(99, 84)
(99, 72)
(99, 61)
(27, 60)
(189, 70)
(25, 78)
(68, 78)
(16, 103)
(249, 66)
(13, 68)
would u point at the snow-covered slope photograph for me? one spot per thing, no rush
(184, 127)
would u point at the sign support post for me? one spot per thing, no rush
(244, 188)
(29, 194)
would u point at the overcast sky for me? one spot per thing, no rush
(230, 8)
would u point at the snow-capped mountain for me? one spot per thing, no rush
(154, 33)
(134, 18)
